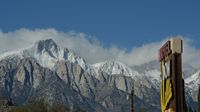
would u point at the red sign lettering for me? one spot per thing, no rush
(165, 51)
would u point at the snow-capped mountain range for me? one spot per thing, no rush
(47, 53)
(48, 71)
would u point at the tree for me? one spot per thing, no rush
(142, 109)
(185, 105)
(58, 107)
(42, 106)
(186, 108)
(38, 106)
(190, 109)
(19, 109)
(198, 100)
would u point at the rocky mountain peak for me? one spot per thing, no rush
(115, 67)
(47, 45)
(47, 53)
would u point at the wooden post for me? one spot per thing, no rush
(132, 99)
(172, 89)
(178, 83)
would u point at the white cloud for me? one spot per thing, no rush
(92, 50)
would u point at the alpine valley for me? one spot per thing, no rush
(56, 74)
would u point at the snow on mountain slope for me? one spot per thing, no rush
(149, 78)
(47, 54)
(194, 80)
(114, 67)
(154, 76)
(192, 84)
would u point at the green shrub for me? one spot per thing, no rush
(42, 106)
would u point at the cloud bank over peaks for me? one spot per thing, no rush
(91, 49)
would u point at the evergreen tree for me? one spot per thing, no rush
(142, 109)
(190, 109)
(42, 106)
(186, 109)
(185, 105)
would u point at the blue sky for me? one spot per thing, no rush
(125, 23)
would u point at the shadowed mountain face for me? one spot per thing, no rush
(46, 71)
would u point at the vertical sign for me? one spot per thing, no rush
(172, 86)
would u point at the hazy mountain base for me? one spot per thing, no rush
(24, 80)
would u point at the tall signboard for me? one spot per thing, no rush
(172, 87)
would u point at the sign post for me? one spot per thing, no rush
(172, 87)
